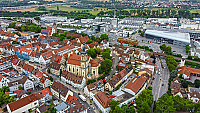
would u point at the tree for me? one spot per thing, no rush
(12, 25)
(37, 18)
(89, 41)
(20, 87)
(29, 92)
(41, 8)
(149, 88)
(171, 62)
(51, 109)
(181, 104)
(58, 8)
(92, 37)
(165, 104)
(173, 74)
(113, 104)
(48, 70)
(197, 83)
(91, 52)
(184, 84)
(106, 55)
(106, 65)
(98, 51)
(187, 48)
(98, 39)
(69, 36)
(104, 37)
(144, 101)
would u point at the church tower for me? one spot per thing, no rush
(84, 62)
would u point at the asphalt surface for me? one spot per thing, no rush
(160, 83)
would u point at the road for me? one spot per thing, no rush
(160, 83)
(113, 68)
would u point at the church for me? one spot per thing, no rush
(83, 65)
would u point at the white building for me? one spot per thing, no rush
(26, 103)
(3, 81)
(24, 82)
(102, 101)
(75, 80)
(91, 89)
(60, 91)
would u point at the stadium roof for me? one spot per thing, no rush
(173, 35)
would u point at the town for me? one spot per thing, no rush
(106, 64)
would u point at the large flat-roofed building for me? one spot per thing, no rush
(171, 37)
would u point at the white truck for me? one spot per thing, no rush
(82, 97)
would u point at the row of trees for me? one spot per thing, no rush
(166, 49)
(171, 63)
(27, 27)
(5, 99)
(148, 13)
(165, 104)
(123, 109)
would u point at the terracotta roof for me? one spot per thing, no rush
(1, 77)
(72, 77)
(137, 52)
(94, 63)
(58, 58)
(64, 48)
(24, 101)
(58, 87)
(76, 107)
(83, 39)
(70, 99)
(118, 77)
(103, 99)
(49, 28)
(28, 67)
(47, 55)
(46, 91)
(188, 71)
(53, 43)
(74, 59)
(55, 65)
(136, 83)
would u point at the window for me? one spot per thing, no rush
(69, 68)
(73, 69)
(35, 103)
(94, 72)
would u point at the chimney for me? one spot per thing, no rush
(117, 22)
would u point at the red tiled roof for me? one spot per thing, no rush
(136, 83)
(46, 91)
(1, 77)
(28, 67)
(24, 101)
(74, 59)
(83, 39)
(70, 99)
(103, 99)
(94, 63)
(188, 71)
(58, 58)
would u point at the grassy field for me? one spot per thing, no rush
(94, 11)
(23, 10)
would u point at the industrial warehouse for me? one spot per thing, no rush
(171, 37)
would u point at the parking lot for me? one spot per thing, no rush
(156, 46)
